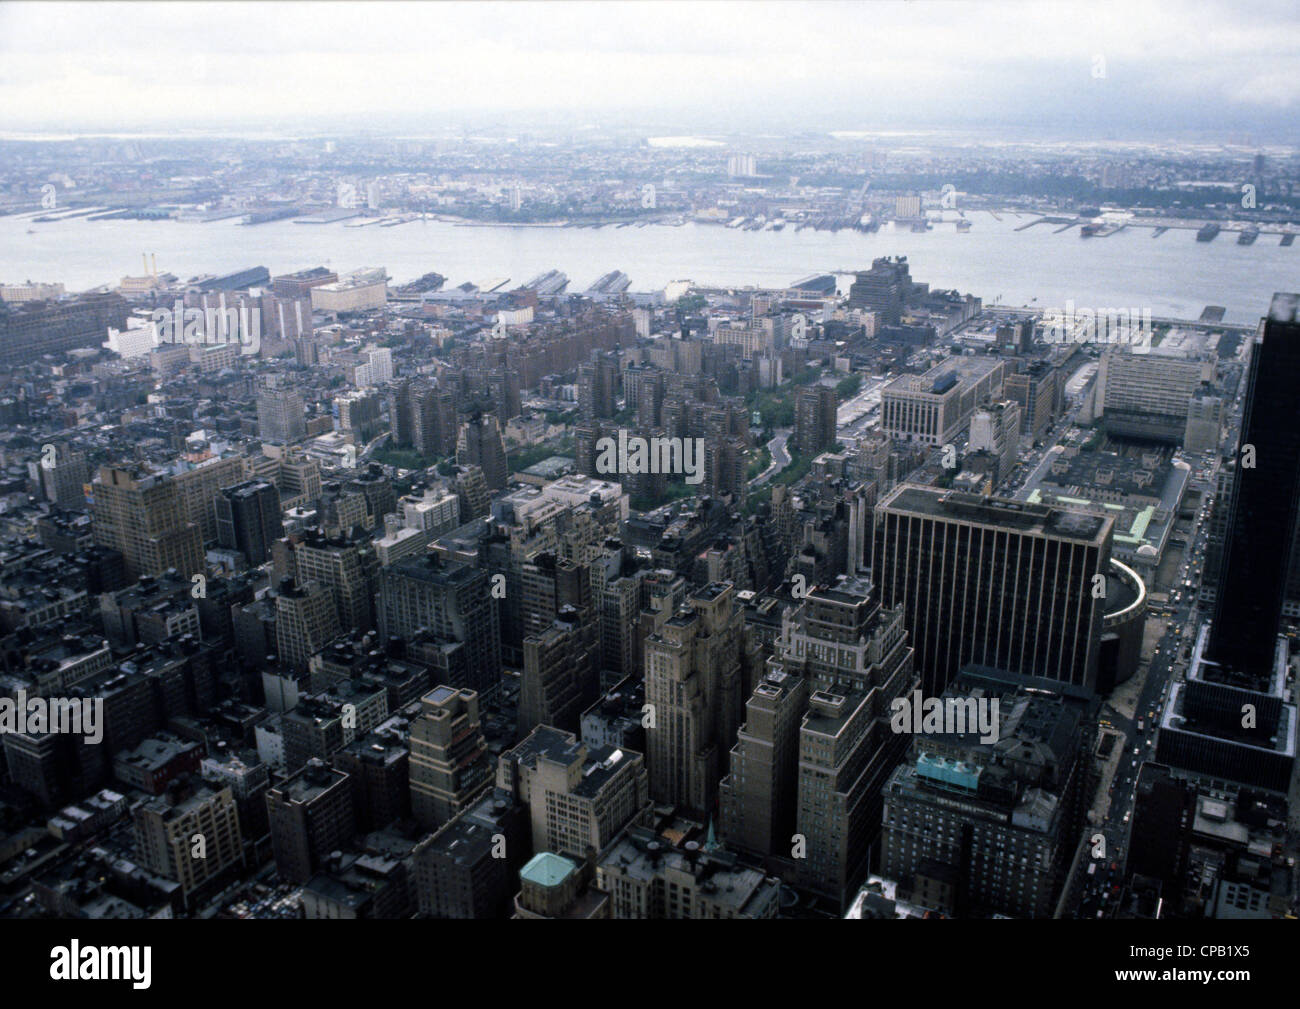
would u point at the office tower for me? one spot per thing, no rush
(1146, 395)
(883, 289)
(306, 620)
(1000, 822)
(997, 583)
(63, 480)
(322, 724)
(995, 428)
(459, 871)
(853, 658)
(552, 886)
(481, 444)
(1204, 421)
(248, 519)
(694, 688)
(311, 816)
(348, 567)
(814, 419)
(933, 408)
(648, 877)
(31, 329)
(140, 515)
(281, 416)
(1037, 390)
(757, 798)
(190, 834)
(473, 493)
(433, 512)
(560, 677)
(199, 485)
(548, 584)
(379, 770)
(1262, 515)
(450, 763)
(453, 602)
(1015, 337)
(1232, 717)
(578, 799)
(1159, 838)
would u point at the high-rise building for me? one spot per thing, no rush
(1265, 498)
(311, 816)
(578, 798)
(1159, 841)
(995, 428)
(814, 419)
(140, 514)
(481, 444)
(647, 877)
(453, 602)
(998, 583)
(190, 834)
(1147, 395)
(933, 408)
(883, 289)
(30, 329)
(757, 797)
(64, 476)
(248, 519)
(694, 690)
(560, 677)
(306, 620)
(1000, 821)
(281, 416)
(1233, 718)
(450, 763)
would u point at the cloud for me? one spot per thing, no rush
(113, 65)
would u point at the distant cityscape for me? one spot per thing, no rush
(329, 591)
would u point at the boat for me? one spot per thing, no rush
(963, 226)
(1208, 232)
(1248, 236)
(1287, 239)
(1089, 230)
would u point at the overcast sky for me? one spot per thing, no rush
(1169, 68)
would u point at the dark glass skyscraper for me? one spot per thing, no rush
(1262, 515)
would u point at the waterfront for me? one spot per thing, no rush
(1173, 275)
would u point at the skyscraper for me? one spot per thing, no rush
(281, 416)
(453, 602)
(693, 687)
(481, 444)
(1232, 718)
(1003, 584)
(814, 419)
(248, 519)
(1262, 515)
(140, 514)
(450, 764)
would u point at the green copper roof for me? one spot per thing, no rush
(546, 869)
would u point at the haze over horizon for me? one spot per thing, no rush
(1206, 69)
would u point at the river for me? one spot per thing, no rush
(1173, 276)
